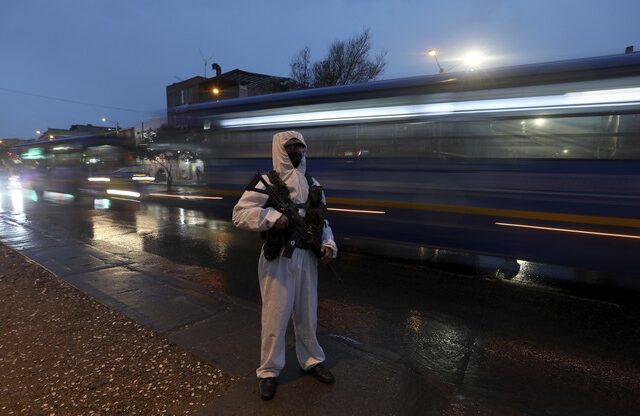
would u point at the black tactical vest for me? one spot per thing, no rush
(315, 213)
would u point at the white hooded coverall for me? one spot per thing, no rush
(288, 286)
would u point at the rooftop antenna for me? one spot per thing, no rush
(205, 61)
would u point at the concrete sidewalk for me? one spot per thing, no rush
(225, 332)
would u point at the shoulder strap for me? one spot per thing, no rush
(309, 179)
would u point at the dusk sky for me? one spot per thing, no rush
(117, 56)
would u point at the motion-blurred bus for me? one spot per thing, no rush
(536, 162)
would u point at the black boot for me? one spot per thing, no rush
(322, 374)
(267, 387)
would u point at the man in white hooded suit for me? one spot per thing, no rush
(288, 286)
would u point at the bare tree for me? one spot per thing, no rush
(301, 69)
(347, 62)
(166, 162)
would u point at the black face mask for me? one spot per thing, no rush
(295, 151)
(296, 157)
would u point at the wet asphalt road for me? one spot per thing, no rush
(531, 348)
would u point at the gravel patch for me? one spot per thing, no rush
(63, 353)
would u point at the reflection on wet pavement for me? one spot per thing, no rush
(546, 352)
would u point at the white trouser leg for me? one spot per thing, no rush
(305, 318)
(277, 291)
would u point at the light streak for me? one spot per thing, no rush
(17, 200)
(143, 178)
(14, 182)
(126, 199)
(98, 179)
(569, 230)
(357, 211)
(102, 203)
(572, 100)
(59, 196)
(185, 196)
(123, 193)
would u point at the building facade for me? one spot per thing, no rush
(77, 130)
(222, 86)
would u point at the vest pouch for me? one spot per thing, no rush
(316, 212)
(275, 240)
(315, 195)
(271, 250)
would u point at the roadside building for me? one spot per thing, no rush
(77, 130)
(8, 142)
(233, 84)
(183, 160)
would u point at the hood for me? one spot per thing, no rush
(281, 162)
(293, 177)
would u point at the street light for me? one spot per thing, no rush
(434, 54)
(471, 60)
(216, 92)
(106, 120)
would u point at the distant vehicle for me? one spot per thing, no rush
(121, 181)
(66, 165)
(130, 173)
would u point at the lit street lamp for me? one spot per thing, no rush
(471, 60)
(106, 120)
(215, 91)
(434, 54)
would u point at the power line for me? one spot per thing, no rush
(47, 97)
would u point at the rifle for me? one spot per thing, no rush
(296, 222)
